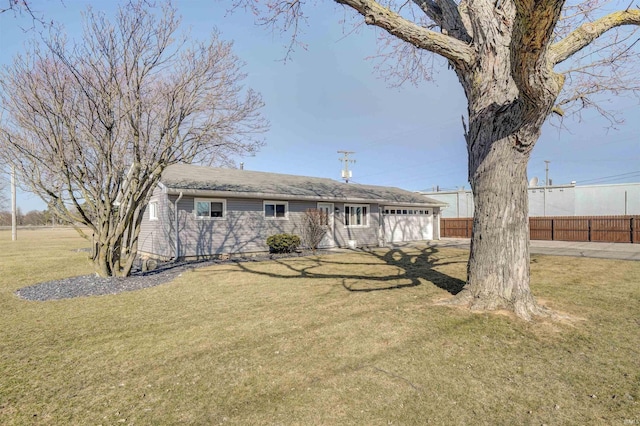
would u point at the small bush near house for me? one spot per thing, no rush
(283, 243)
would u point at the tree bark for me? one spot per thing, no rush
(498, 268)
(499, 146)
(101, 261)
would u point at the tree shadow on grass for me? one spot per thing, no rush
(421, 265)
(412, 268)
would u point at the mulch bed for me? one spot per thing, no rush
(93, 285)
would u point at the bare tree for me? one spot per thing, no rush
(35, 218)
(518, 61)
(313, 228)
(91, 125)
(4, 185)
(19, 8)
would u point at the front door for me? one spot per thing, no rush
(328, 240)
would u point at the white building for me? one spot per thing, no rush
(557, 200)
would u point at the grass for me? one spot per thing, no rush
(348, 338)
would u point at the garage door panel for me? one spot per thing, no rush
(404, 228)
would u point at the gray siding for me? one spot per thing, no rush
(153, 238)
(363, 236)
(243, 230)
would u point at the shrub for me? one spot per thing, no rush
(283, 243)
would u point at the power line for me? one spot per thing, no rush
(612, 177)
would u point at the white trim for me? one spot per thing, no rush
(210, 200)
(153, 210)
(329, 239)
(366, 217)
(275, 204)
(270, 196)
(406, 211)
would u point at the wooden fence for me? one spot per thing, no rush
(614, 229)
(456, 228)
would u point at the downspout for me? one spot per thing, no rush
(334, 242)
(175, 209)
(381, 234)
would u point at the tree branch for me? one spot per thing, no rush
(446, 13)
(431, 9)
(532, 33)
(588, 32)
(374, 14)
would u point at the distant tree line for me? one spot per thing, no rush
(31, 218)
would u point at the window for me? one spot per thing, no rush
(356, 215)
(210, 209)
(153, 210)
(405, 211)
(276, 210)
(326, 213)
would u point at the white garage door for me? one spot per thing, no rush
(402, 224)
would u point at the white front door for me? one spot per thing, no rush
(328, 240)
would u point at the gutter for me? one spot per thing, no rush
(271, 196)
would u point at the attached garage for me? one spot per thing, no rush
(405, 223)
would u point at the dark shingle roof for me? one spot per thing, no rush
(201, 180)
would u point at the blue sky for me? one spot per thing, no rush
(328, 97)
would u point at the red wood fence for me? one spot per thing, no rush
(615, 229)
(456, 228)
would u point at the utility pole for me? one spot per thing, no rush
(346, 173)
(14, 222)
(546, 185)
(546, 171)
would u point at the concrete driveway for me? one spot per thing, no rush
(621, 251)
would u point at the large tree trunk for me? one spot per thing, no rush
(510, 94)
(499, 147)
(498, 268)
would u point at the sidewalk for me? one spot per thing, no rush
(622, 251)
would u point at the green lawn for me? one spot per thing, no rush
(351, 338)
